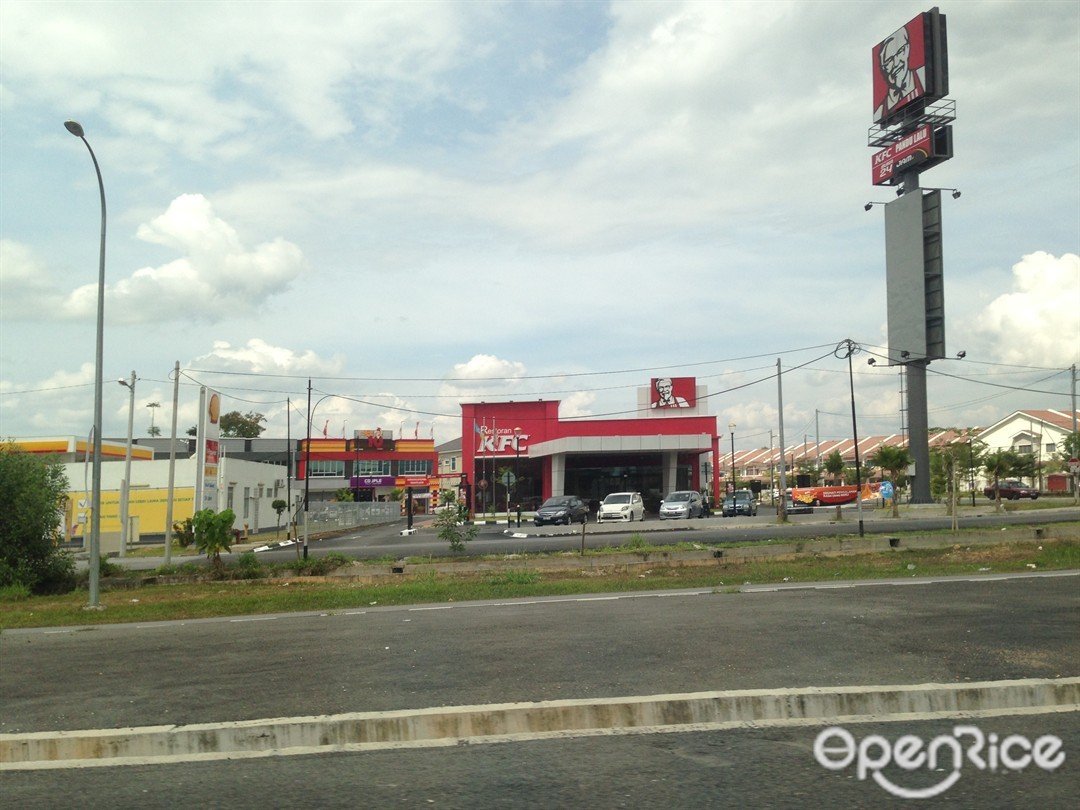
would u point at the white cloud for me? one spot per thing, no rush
(1038, 323)
(259, 357)
(217, 278)
(27, 291)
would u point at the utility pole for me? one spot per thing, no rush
(780, 409)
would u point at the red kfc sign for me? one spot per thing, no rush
(673, 392)
(910, 65)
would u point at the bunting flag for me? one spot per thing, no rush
(416, 431)
(325, 428)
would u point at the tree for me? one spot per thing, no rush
(344, 495)
(1070, 446)
(451, 526)
(894, 461)
(834, 466)
(242, 425)
(32, 491)
(279, 506)
(1000, 464)
(192, 431)
(213, 533)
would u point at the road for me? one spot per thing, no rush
(523, 650)
(388, 542)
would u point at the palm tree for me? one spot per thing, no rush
(893, 461)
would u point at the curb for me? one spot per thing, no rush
(504, 722)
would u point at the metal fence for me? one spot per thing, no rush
(335, 516)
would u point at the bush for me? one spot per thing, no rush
(320, 566)
(184, 533)
(33, 491)
(248, 566)
(213, 533)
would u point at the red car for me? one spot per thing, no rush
(1011, 491)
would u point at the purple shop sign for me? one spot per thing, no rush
(372, 481)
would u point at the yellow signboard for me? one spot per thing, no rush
(149, 505)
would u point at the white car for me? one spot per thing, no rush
(623, 506)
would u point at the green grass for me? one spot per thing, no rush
(243, 597)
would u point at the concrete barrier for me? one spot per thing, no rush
(519, 721)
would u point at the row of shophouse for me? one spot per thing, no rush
(507, 453)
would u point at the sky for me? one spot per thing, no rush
(416, 204)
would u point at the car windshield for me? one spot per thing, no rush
(618, 498)
(741, 496)
(563, 501)
(676, 497)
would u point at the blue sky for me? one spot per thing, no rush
(407, 200)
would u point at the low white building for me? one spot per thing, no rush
(1040, 433)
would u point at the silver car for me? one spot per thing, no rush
(624, 506)
(681, 504)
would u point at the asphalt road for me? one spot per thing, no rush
(388, 542)
(520, 650)
(751, 768)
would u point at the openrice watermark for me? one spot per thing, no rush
(836, 748)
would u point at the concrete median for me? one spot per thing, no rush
(453, 725)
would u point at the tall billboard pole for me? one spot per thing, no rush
(912, 132)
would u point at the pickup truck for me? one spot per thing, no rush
(1011, 491)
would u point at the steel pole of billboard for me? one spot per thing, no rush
(75, 128)
(918, 417)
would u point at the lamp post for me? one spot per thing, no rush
(731, 427)
(75, 128)
(517, 464)
(125, 493)
(845, 349)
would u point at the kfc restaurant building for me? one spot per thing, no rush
(522, 452)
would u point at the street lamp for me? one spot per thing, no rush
(75, 128)
(125, 494)
(517, 464)
(731, 427)
(845, 349)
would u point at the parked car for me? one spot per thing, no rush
(741, 502)
(624, 506)
(562, 509)
(681, 504)
(1011, 490)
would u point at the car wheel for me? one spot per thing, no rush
(1035, 496)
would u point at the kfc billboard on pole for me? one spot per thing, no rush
(910, 68)
(922, 148)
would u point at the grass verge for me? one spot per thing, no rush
(244, 597)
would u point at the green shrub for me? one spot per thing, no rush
(249, 566)
(184, 533)
(213, 533)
